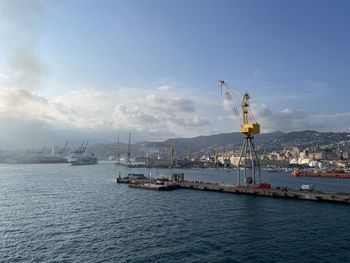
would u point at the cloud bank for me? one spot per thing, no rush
(152, 114)
(298, 119)
(30, 119)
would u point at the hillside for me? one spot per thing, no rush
(202, 144)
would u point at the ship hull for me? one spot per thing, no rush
(38, 160)
(82, 160)
(328, 175)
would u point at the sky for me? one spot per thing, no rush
(71, 70)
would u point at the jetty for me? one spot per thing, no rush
(176, 181)
(280, 192)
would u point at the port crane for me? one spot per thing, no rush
(85, 146)
(82, 148)
(248, 159)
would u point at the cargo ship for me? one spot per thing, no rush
(329, 174)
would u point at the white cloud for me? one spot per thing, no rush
(298, 119)
(3, 76)
(175, 104)
(19, 103)
(145, 111)
(195, 121)
(150, 114)
(164, 88)
(160, 114)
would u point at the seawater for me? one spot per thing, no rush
(62, 213)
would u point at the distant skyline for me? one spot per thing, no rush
(71, 70)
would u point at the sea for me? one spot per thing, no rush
(62, 213)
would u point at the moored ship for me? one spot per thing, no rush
(79, 157)
(329, 174)
(82, 160)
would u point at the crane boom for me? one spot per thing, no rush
(248, 124)
(81, 146)
(85, 146)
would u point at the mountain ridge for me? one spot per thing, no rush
(273, 141)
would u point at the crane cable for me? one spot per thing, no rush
(230, 98)
(252, 115)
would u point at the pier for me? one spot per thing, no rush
(272, 192)
(177, 182)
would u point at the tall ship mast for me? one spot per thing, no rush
(118, 150)
(129, 152)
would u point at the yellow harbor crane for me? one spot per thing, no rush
(248, 159)
(248, 128)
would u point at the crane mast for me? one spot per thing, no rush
(129, 153)
(248, 159)
(248, 128)
(245, 107)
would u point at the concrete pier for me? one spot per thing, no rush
(272, 192)
(283, 192)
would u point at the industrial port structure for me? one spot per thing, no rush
(248, 158)
(177, 181)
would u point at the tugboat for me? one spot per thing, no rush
(80, 158)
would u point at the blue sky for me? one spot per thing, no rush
(94, 68)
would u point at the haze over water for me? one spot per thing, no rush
(60, 213)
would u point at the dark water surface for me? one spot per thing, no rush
(59, 213)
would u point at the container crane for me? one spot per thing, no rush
(248, 158)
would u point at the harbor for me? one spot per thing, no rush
(174, 131)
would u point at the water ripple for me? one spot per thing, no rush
(60, 213)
